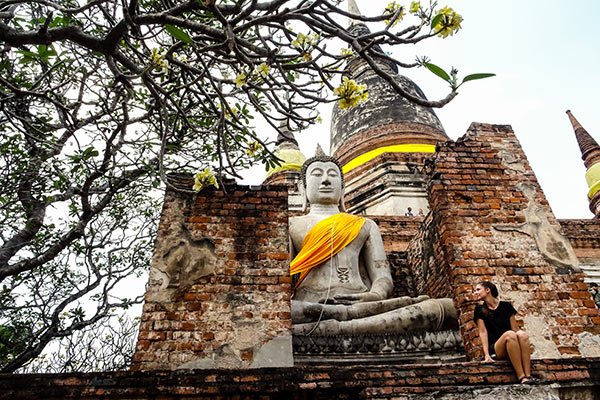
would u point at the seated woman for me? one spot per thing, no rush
(500, 336)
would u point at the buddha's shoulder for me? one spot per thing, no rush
(369, 223)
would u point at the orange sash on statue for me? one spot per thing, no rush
(327, 238)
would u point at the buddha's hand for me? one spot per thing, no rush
(357, 297)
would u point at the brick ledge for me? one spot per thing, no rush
(314, 381)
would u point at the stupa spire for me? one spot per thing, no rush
(590, 153)
(590, 150)
(353, 9)
(286, 135)
(319, 151)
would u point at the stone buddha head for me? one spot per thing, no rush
(322, 181)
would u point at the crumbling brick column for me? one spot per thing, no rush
(491, 221)
(219, 287)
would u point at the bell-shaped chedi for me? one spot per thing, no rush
(590, 153)
(382, 142)
(286, 150)
(288, 171)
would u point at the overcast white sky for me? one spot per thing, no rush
(546, 54)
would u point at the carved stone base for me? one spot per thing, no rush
(420, 347)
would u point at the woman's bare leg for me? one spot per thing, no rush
(523, 339)
(508, 347)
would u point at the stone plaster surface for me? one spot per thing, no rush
(540, 335)
(277, 352)
(589, 344)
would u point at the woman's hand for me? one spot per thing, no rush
(488, 359)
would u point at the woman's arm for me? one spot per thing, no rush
(483, 335)
(513, 323)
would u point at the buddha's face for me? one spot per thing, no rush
(323, 183)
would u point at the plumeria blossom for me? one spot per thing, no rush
(449, 22)
(241, 79)
(262, 70)
(414, 7)
(392, 8)
(304, 43)
(158, 61)
(253, 148)
(204, 179)
(351, 93)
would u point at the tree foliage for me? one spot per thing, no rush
(101, 99)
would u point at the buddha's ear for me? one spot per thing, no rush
(302, 191)
(342, 205)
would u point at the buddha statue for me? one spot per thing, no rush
(344, 282)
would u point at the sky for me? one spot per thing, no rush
(545, 54)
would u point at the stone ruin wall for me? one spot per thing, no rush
(396, 232)
(584, 235)
(491, 221)
(219, 288)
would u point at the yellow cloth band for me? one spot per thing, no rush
(327, 238)
(286, 166)
(292, 160)
(592, 176)
(396, 148)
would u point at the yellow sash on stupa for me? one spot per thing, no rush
(327, 238)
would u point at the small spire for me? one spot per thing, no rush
(285, 135)
(590, 151)
(319, 151)
(353, 8)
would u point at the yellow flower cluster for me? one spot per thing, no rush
(159, 62)
(253, 148)
(303, 42)
(346, 51)
(392, 8)
(242, 78)
(351, 93)
(449, 23)
(204, 179)
(262, 70)
(414, 7)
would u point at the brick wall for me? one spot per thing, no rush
(427, 260)
(584, 235)
(491, 221)
(219, 288)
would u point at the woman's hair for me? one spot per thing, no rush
(491, 286)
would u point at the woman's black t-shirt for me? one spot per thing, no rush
(496, 321)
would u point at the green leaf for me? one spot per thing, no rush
(438, 71)
(473, 77)
(178, 34)
(436, 20)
